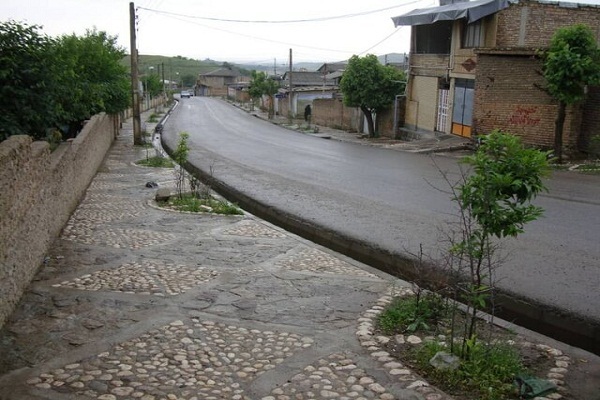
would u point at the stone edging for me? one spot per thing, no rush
(374, 344)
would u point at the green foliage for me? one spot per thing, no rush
(191, 203)
(94, 80)
(507, 177)
(27, 81)
(57, 83)
(223, 207)
(412, 314)
(174, 67)
(571, 62)
(156, 162)
(188, 80)
(371, 86)
(487, 375)
(261, 84)
(180, 156)
(495, 202)
(152, 84)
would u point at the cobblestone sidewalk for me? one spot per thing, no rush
(136, 302)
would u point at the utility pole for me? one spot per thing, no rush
(163, 80)
(135, 87)
(290, 92)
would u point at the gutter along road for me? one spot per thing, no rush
(379, 206)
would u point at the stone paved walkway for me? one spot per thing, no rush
(137, 302)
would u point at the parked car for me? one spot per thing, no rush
(185, 93)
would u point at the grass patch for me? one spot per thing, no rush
(191, 203)
(157, 162)
(411, 314)
(493, 361)
(487, 374)
(153, 117)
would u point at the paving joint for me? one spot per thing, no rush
(138, 302)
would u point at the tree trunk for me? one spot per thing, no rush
(370, 125)
(558, 130)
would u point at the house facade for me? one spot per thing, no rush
(216, 83)
(474, 67)
(306, 86)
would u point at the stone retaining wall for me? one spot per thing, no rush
(38, 192)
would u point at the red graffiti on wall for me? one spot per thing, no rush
(524, 116)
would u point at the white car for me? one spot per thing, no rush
(185, 93)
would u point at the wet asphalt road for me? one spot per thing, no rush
(395, 200)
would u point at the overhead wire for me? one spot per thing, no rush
(292, 21)
(190, 19)
(256, 37)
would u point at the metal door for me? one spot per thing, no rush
(462, 114)
(442, 112)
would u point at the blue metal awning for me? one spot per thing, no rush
(471, 10)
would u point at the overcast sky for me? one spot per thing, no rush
(331, 30)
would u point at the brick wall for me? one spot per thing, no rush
(532, 24)
(334, 114)
(508, 83)
(39, 192)
(508, 96)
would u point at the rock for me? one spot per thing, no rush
(443, 360)
(162, 194)
(412, 339)
(91, 324)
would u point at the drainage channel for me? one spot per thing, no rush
(558, 324)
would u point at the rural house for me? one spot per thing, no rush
(215, 83)
(474, 67)
(305, 88)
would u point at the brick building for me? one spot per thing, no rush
(474, 68)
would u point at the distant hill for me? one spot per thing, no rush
(172, 65)
(187, 66)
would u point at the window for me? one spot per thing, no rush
(473, 34)
(434, 38)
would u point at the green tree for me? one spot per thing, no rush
(188, 80)
(92, 79)
(27, 81)
(52, 83)
(570, 64)
(180, 155)
(371, 86)
(261, 84)
(153, 84)
(495, 202)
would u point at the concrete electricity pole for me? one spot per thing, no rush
(135, 89)
(291, 92)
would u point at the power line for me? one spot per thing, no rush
(170, 15)
(292, 21)
(381, 41)
(190, 18)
